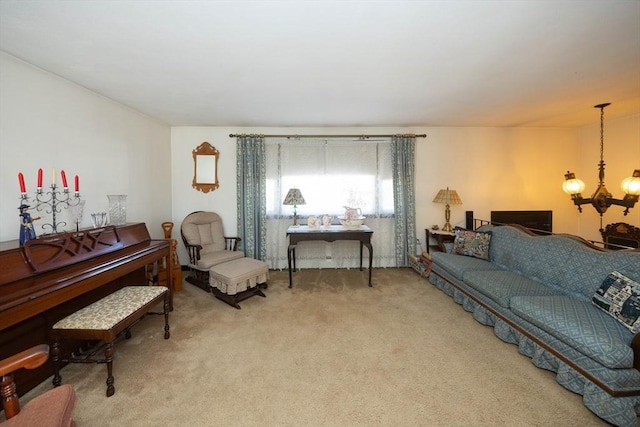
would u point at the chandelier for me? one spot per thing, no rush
(601, 199)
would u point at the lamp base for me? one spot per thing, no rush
(447, 216)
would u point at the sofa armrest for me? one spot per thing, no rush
(635, 345)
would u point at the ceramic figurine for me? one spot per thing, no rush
(26, 224)
(313, 222)
(352, 213)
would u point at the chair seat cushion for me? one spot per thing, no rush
(51, 409)
(210, 259)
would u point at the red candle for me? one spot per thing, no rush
(23, 188)
(40, 178)
(77, 184)
(64, 179)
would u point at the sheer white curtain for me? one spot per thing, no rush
(330, 174)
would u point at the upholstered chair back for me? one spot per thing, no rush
(204, 229)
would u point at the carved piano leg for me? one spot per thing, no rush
(55, 358)
(108, 356)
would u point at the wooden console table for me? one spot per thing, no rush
(328, 234)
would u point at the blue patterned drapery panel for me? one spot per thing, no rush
(403, 153)
(251, 183)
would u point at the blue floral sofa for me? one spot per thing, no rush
(548, 295)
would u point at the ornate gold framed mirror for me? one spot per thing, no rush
(205, 168)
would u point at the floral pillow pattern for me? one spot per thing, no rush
(472, 243)
(619, 296)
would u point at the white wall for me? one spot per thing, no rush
(48, 122)
(494, 169)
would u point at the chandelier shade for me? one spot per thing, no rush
(602, 199)
(572, 185)
(631, 185)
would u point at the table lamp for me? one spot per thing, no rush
(448, 197)
(294, 198)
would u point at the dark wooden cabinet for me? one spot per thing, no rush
(436, 240)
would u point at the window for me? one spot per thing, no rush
(330, 175)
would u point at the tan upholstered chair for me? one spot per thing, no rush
(203, 236)
(51, 409)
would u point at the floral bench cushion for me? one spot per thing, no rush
(580, 325)
(106, 313)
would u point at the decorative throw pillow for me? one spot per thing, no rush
(619, 296)
(472, 243)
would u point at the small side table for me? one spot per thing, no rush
(441, 237)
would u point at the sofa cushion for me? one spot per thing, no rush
(472, 243)
(563, 262)
(501, 285)
(457, 265)
(580, 325)
(588, 267)
(619, 297)
(540, 258)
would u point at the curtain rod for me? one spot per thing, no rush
(361, 137)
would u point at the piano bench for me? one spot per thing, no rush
(104, 321)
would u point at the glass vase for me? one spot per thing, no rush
(75, 212)
(117, 209)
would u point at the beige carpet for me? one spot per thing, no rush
(329, 352)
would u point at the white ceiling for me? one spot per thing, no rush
(341, 63)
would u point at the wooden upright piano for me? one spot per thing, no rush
(53, 276)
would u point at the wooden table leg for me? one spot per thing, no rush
(291, 252)
(370, 247)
